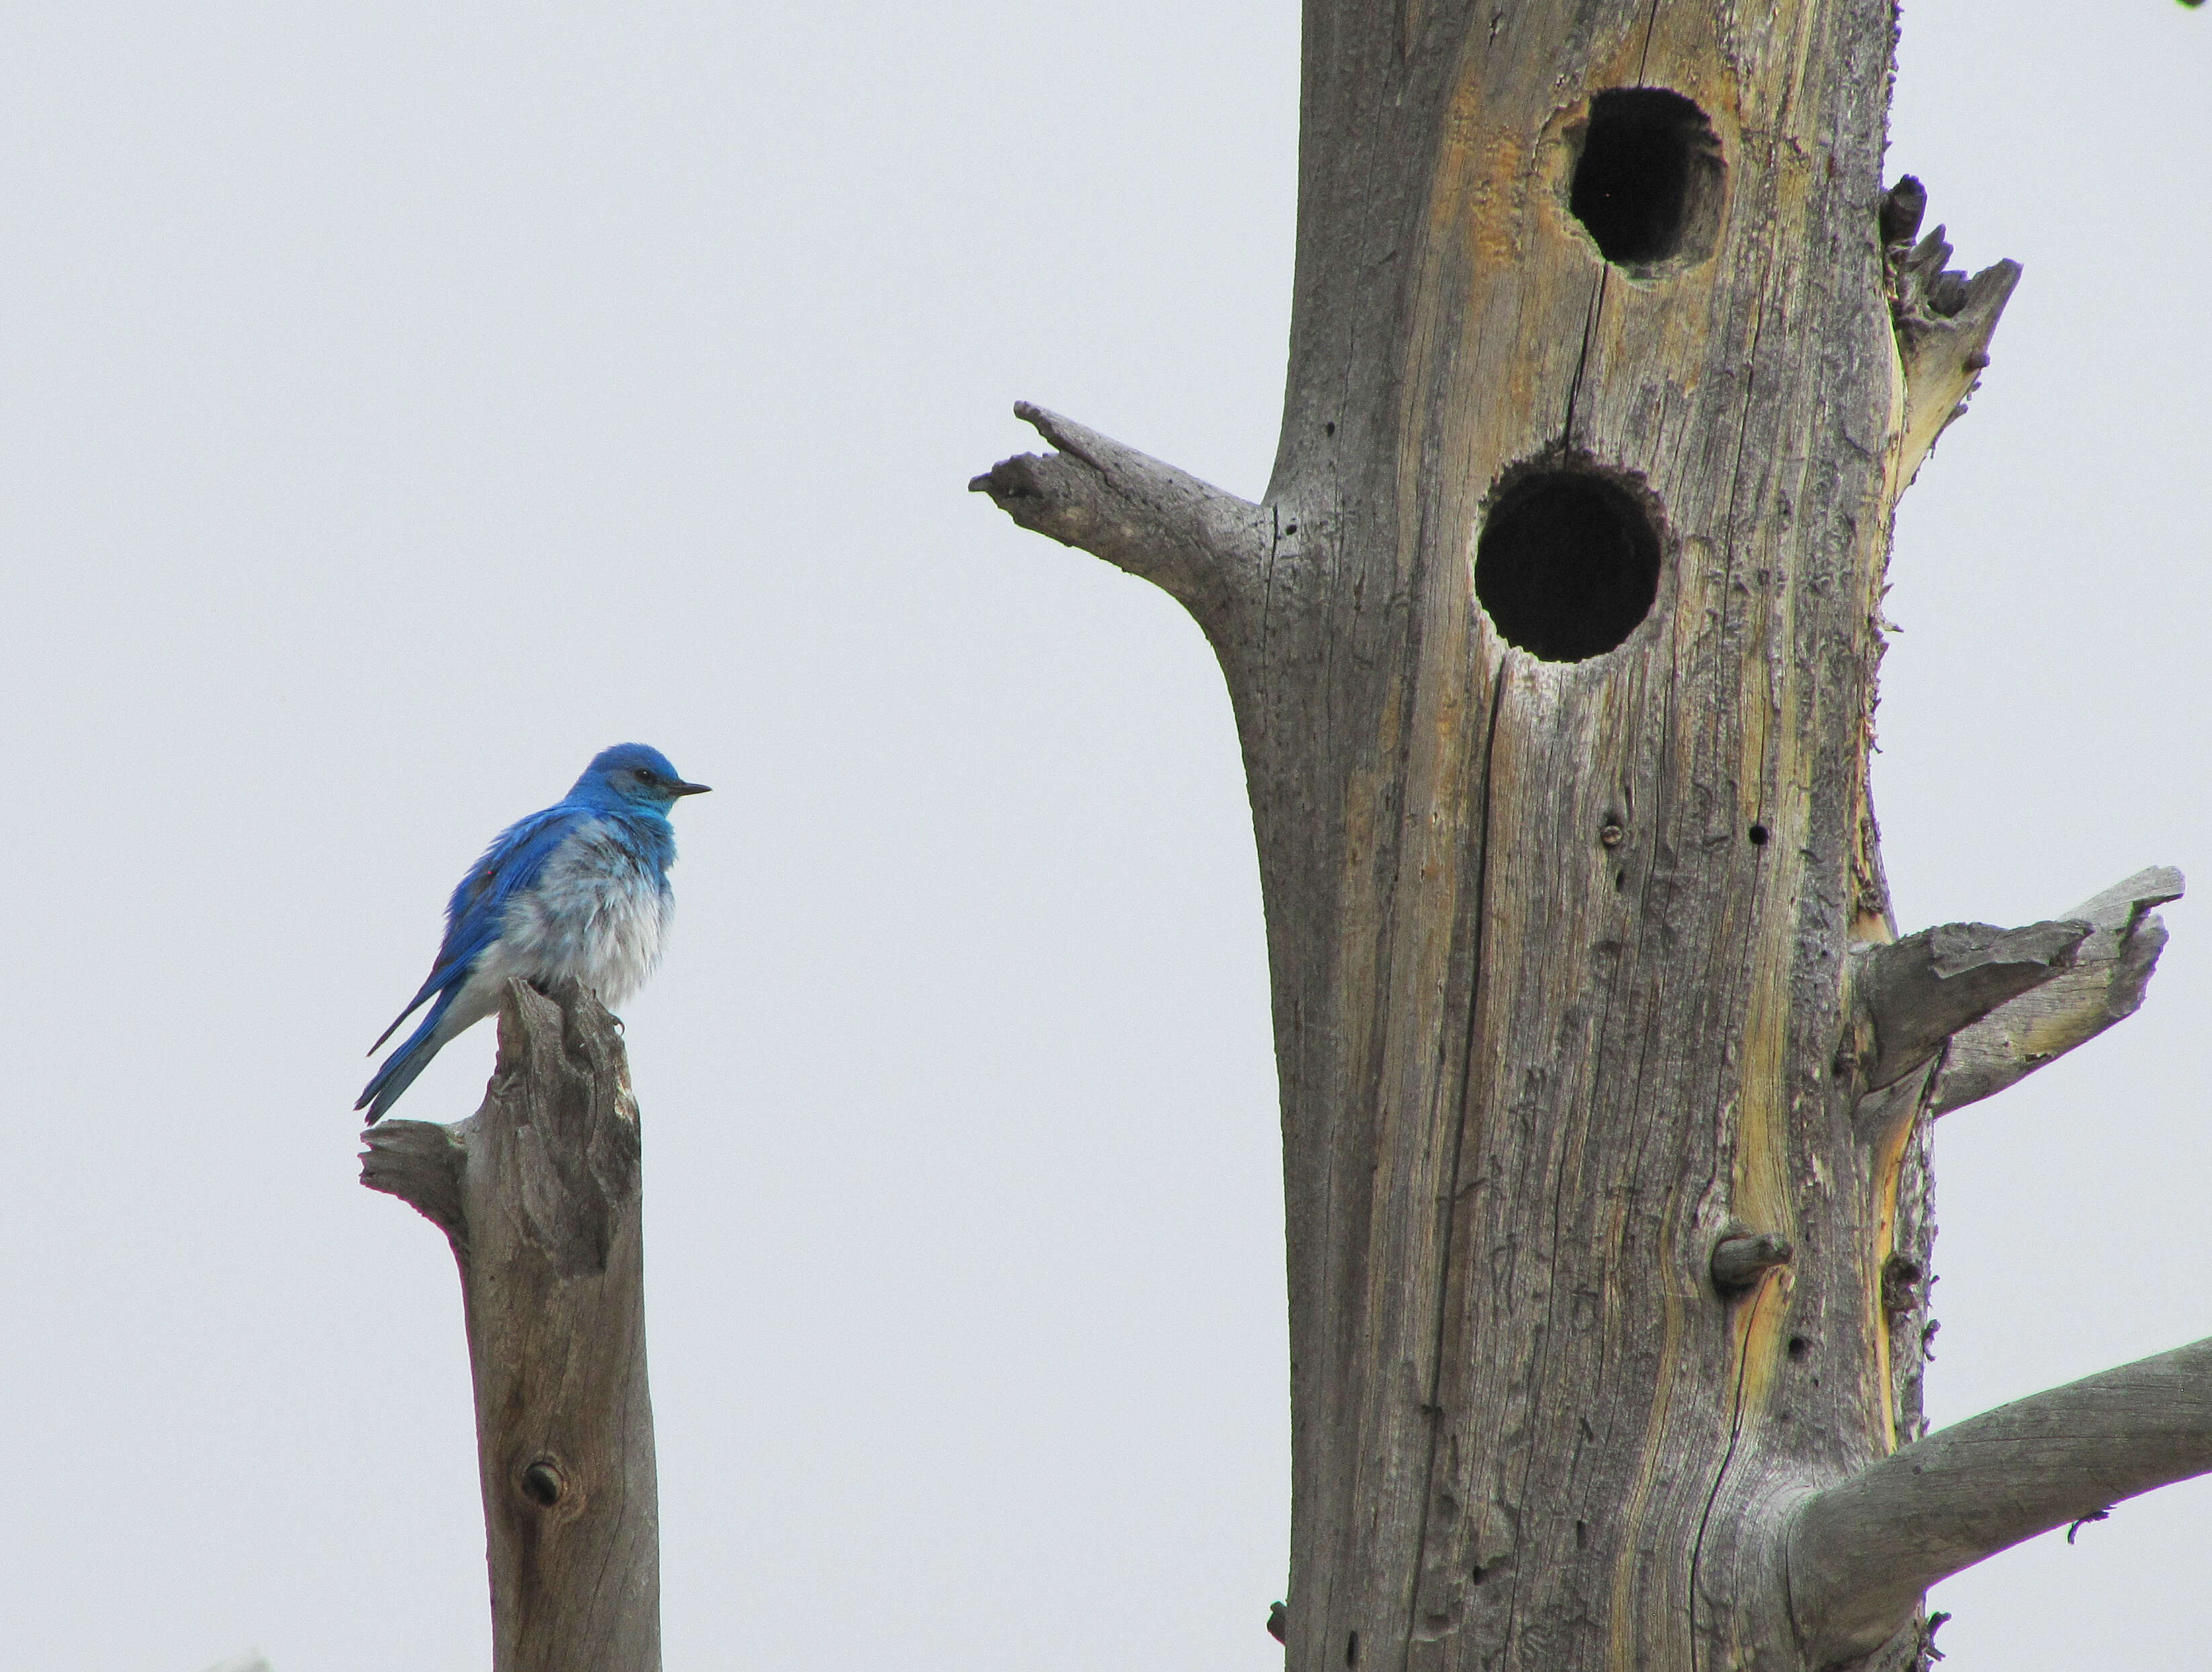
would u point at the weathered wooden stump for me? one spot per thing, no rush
(539, 1194)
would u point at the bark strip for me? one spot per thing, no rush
(1862, 1552)
(539, 1194)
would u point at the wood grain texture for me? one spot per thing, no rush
(539, 1194)
(1560, 948)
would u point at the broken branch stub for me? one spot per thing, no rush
(1918, 992)
(1943, 319)
(2106, 982)
(1187, 537)
(539, 1192)
(1902, 206)
(1739, 1262)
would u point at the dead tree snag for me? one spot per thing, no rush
(1607, 1083)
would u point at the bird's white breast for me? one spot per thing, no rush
(599, 914)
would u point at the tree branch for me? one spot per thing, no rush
(1861, 1554)
(2111, 969)
(420, 1162)
(1205, 547)
(1916, 993)
(1944, 322)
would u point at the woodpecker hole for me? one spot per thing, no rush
(1799, 1346)
(1648, 180)
(1757, 833)
(1568, 564)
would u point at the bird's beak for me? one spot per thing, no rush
(689, 789)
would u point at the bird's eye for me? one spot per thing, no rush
(645, 776)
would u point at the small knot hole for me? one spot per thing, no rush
(542, 1484)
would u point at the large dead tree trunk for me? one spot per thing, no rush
(1606, 1082)
(539, 1192)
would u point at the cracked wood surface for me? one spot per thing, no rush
(539, 1194)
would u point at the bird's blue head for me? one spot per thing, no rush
(631, 776)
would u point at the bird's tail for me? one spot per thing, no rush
(401, 1067)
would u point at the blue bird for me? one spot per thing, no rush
(578, 891)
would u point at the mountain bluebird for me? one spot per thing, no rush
(580, 890)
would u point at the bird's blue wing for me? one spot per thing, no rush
(516, 856)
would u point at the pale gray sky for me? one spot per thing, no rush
(404, 401)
